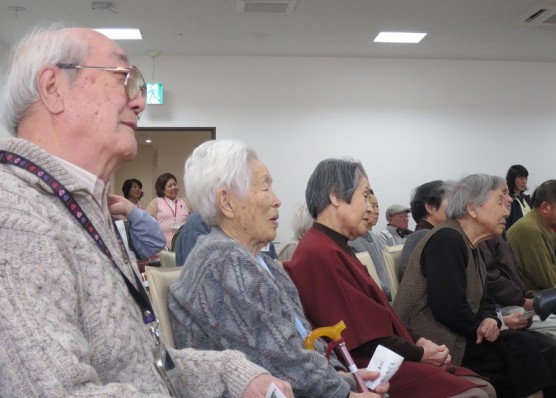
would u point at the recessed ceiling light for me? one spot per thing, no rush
(399, 37)
(148, 141)
(121, 34)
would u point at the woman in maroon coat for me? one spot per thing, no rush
(334, 285)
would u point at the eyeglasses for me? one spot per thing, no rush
(134, 82)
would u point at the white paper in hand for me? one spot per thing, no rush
(274, 392)
(385, 361)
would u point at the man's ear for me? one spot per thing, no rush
(224, 201)
(545, 208)
(50, 84)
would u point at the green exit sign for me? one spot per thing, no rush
(155, 93)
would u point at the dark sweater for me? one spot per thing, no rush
(504, 284)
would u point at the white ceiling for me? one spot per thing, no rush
(457, 29)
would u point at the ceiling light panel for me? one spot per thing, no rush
(121, 34)
(399, 37)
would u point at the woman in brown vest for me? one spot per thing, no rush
(443, 294)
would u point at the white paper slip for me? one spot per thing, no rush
(274, 392)
(385, 361)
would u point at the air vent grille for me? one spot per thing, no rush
(544, 15)
(265, 6)
(550, 20)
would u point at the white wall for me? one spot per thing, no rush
(408, 121)
(3, 61)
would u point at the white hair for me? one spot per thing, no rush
(45, 45)
(216, 165)
(302, 221)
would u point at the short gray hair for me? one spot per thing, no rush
(337, 176)
(472, 190)
(216, 165)
(301, 220)
(45, 45)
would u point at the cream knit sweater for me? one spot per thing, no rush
(68, 325)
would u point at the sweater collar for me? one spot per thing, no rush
(423, 224)
(93, 185)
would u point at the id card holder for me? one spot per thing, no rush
(274, 392)
(176, 225)
(163, 361)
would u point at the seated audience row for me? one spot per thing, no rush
(71, 296)
(229, 296)
(504, 282)
(343, 213)
(443, 295)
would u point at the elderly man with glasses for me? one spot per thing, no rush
(75, 318)
(396, 232)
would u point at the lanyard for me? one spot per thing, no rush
(138, 293)
(175, 209)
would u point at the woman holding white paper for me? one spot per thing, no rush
(333, 285)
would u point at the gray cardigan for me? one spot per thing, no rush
(224, 299)
(374, 246)
(68, 323)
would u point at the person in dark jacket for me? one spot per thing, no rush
(516, 178)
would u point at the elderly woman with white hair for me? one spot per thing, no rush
(443, 294)
(229, 295)
(301, 222)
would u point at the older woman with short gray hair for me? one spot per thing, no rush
(443, 294)
(230, 296)
(334, 286)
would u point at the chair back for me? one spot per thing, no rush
(366, 259)
(167, 259)
(392, 259)
(160, 280)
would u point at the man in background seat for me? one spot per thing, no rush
(396, 232)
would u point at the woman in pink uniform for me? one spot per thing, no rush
(169, 210)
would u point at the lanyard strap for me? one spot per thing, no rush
(175, 209)
(138, 293)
